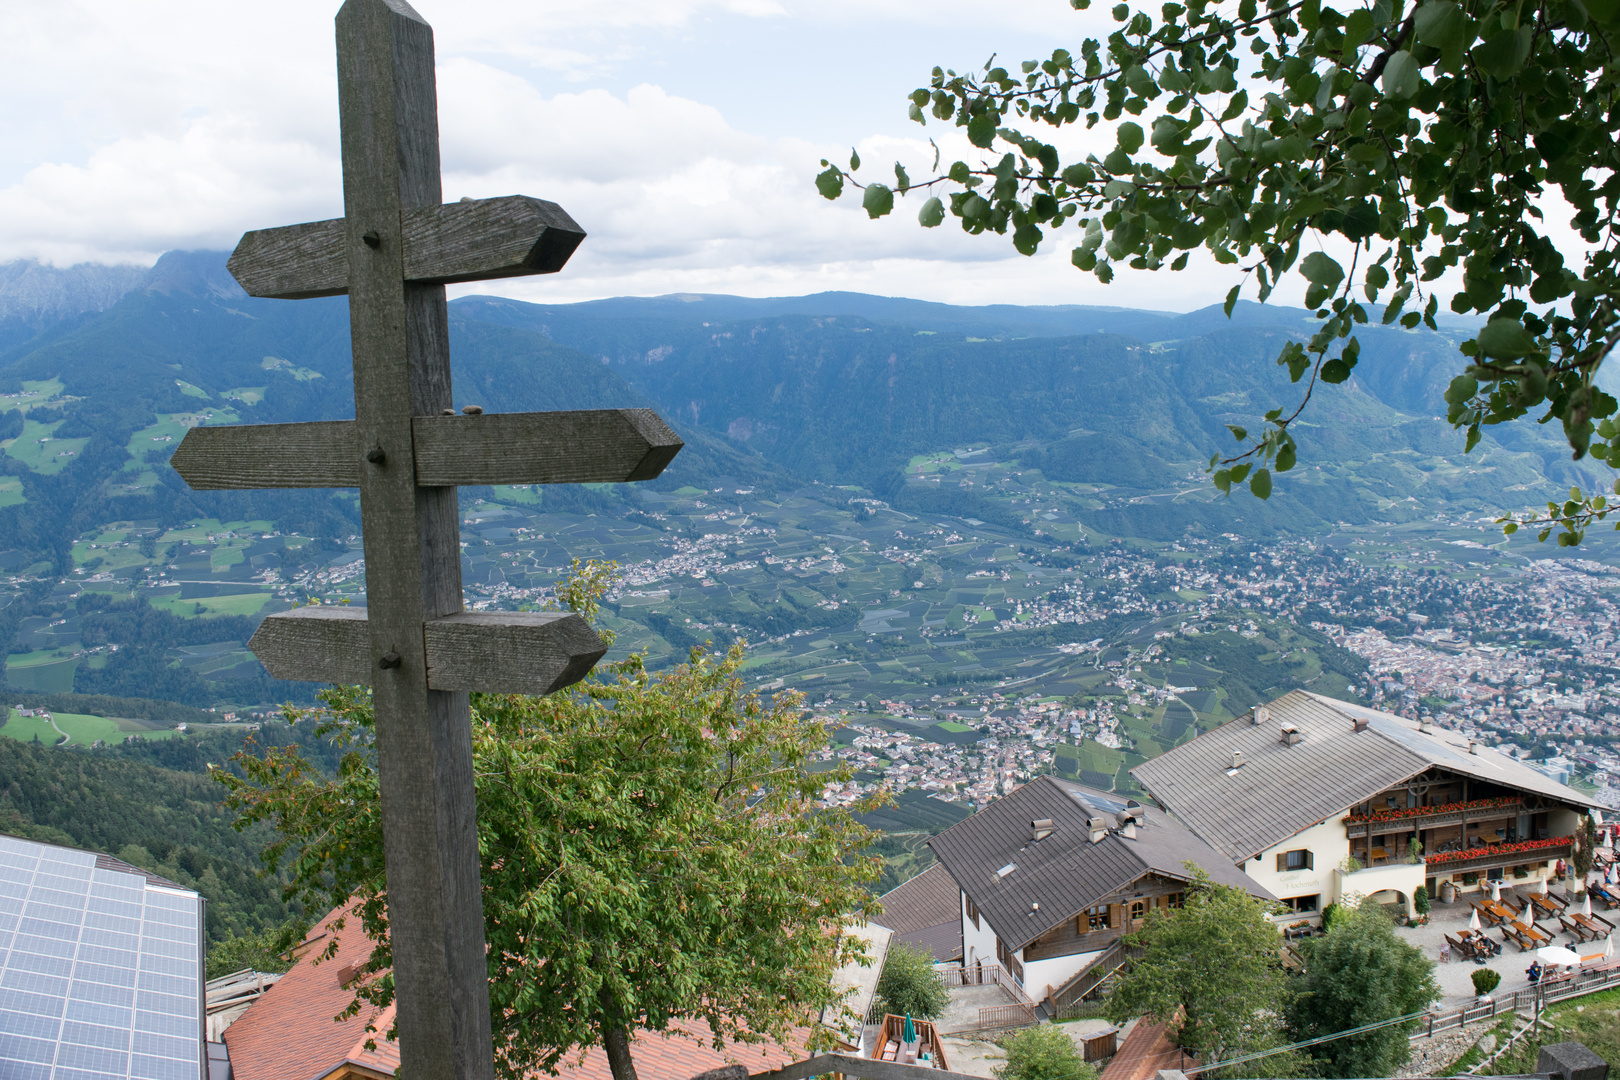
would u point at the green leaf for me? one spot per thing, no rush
(1261, 484)
(1237, 433)
(854, 160)
(1322, 269)
(1503, 54)
(1232, 299)
(1441, 26)
(1130, 137)
(931, 214)
(981, 129)
(1505, 339)
(877, 201)
(902, 181)
(1510, 528)
(1462, 390)
(1401, 76)
(1285, 457)
(830, 183)
(1358, 27)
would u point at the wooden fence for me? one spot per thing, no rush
(1021, 1011)
(1532, 998)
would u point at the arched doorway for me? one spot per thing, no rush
(1394, 901)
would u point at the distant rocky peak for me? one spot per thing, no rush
(192, 273)
(36, 293)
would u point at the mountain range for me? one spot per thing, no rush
(837, 388)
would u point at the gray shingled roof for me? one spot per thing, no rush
(1282, 789)
(928, 899)
(1064, 873)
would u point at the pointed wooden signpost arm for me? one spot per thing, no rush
(392, 253)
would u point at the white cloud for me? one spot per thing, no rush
(181, 124)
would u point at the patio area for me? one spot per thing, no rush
(1456, 987)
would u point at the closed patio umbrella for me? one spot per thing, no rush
(1544, 884)
(1586, 906)
(1608, 946)
(908, 1034)
(1496, 891)
(1473, 921)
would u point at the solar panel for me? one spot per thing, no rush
(100, 970)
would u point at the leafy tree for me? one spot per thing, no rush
(1586, 844)
(1359, 973)
(652, 853)
(909, 985)
(1212, 969)
(262, 950)
(1412, 140)
(1044, 1052)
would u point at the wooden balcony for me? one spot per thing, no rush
(1487, 859)
(1436, 820)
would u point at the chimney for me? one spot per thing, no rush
(1291, 735)
(1128, 830)
(1360, 724)
(1473, 747)
(1260, 715)
(1237, 759)
(1098, 827)
(1040, 829)
(1425, 727)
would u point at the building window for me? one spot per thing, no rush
(972, 910)
(1138, 910)
(1093, 918)
(1303, 905)
(1176, 901)
(1298, 859)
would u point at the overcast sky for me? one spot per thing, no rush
(682, 134)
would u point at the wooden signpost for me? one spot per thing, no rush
(406, 450)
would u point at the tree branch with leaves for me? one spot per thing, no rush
(1427, 138)
(653, 854)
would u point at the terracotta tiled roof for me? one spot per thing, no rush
(683, 1052)
(290, 1034)
(1146, 1050)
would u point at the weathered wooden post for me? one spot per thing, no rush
(406, 450)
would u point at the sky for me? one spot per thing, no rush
(683, 135)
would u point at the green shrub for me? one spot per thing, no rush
(1420, 900)
(909, 985)
(1485, 980)
(1044, 1052)
(1333, 915)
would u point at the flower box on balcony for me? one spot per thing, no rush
(1401, 813)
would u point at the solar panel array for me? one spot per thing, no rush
(100, 970)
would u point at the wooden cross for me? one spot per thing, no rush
(392, 253)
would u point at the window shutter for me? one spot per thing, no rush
(1282, 861)
(1113, 916)
(1310, 861)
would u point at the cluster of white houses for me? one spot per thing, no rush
(1306, 801)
